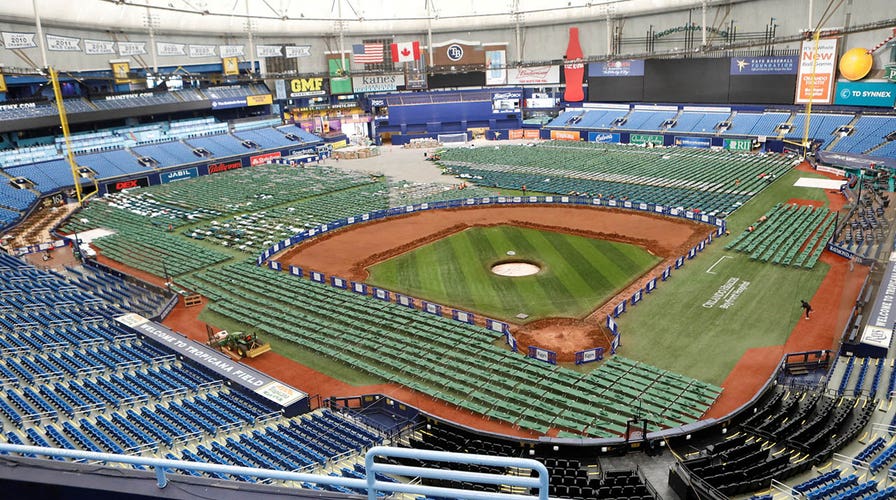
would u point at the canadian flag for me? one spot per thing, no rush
(405, 51)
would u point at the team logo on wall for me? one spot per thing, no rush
(455, 52)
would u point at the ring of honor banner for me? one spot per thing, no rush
(543, 355)
(589, 355)
(230, 66)
(318, 277)
(359, 288)
(379, 293)
(276, 266)
(818, 87)
(295, 271)
(338, 282)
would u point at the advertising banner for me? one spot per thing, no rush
(307, 87)
(115, 187)
(506, 102)
(739, 144)
(817, 87)
(179, 175)
(876, 94)
(692, 142)
(259, 100)
(495, 72)
(235, 102)
(764, 65)
(534, 75)
(215, 168)
(263, 159)
(641, 139)
(565, 135)
(628, 67)
(603, 137)
(381, 83)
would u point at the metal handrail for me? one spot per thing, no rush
(371, 484)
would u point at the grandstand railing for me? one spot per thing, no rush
(370, 484)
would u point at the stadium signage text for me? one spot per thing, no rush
(179, 175)
(877, 94)
(644, 139)
(114, 187)
(455, 52)
(764, 65)
(603, 137)
(263, 159)
(127, 96)
(223, 167)
(303, 87)
(739, 144)
(377, 83)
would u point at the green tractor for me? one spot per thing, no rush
(242, 344)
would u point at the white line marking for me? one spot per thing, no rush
(717, 263)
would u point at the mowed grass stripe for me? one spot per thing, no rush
(455, 271)
(571, 286)
(507, 288)
(547, 290)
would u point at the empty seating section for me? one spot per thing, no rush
(698, 122)
(788, 234)
(48, 176)
(743, 123)
(454, 362)
(868, 132)
(111, 163)
(13, 199)
(788, 433)
(640, 119)
(72, 377)
(768, 123)
(821, 126)
(28, 154)
(710, 181)
(299, 132)
(265, 137)
(185, 129)
(169, 154)
(219, 145)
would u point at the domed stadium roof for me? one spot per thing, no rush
(303, 17)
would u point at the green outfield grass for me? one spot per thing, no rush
(677, 327)
(577, 274)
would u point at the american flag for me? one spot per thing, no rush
(367, 53)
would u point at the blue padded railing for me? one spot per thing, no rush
(371, 484)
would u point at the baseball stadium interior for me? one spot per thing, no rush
(425, 250)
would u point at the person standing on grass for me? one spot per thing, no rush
(805, 305)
